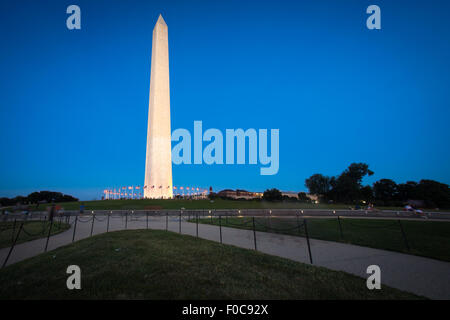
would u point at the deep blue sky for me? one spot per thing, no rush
(73, 104)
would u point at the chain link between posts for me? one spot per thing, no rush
(232, 219)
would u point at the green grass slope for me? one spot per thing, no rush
(152, 264)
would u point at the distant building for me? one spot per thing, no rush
(293, 194)
(239, 194)
(290, 194)
(314, 197)
(244, 194)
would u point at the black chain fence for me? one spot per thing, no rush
(41, 225)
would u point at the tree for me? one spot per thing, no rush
(367, 193)
(212, 195)
(49, 196)
(385, 190)
(357, 171)
(347, 187)
(272, 195)
(434, 193)
(33, 197)
(408, 191)
(36, 197)
(302, 197)
(6, 202)
(318, 184)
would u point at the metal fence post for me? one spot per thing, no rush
(298, 226)
(270, 219)
(48, 235)
(74, 228)
(167, 220)
(92, 226)
(147, 219)
(196, 219)
(14, 230)
(340, 227)
(307, 240)
(180, 223)
(404, 235)
(220, 227)
(107, 223)
(254, 232)
(13, 245)
(126, 219)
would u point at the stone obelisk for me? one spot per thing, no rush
(158, 164)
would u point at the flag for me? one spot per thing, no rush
(130, 188)
(137, 187)
(174, 188)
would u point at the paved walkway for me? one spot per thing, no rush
(422, 276)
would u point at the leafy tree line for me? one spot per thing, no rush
(37, 197)
(348, 188)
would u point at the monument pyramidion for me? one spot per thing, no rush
(158, 164)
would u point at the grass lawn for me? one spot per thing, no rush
(425, 238)
(155, 264)
(149, 204)
(31, 230)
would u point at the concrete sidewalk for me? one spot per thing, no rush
(422, 276)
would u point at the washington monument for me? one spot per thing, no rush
(158, 164)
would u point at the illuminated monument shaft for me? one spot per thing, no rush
(158, 164)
